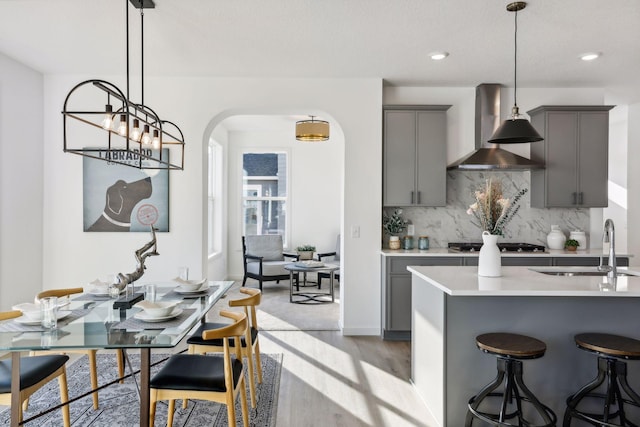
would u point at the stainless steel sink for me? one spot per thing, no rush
(580, 271)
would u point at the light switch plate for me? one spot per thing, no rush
(411, 229)
(355, 231)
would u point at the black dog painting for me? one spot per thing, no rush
(119, 198)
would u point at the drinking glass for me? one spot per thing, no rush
(183, 273)
(49, 309)
(150, 293)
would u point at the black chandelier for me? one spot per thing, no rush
(516, 128)
(135, 135)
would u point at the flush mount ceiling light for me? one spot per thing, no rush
(437, 56)
(134, 135)
(590, 56)
(312, 130)
(515, 129)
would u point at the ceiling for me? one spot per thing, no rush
(388, 39)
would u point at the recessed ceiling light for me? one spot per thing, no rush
(590, 56)
(437, 56)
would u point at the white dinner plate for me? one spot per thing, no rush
(145, 317)
(26, 321)
(181, 290)
(99, 292)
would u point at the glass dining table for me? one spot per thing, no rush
(90, 322)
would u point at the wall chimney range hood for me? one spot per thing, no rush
(490, 156)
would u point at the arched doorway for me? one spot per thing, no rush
(315, 198)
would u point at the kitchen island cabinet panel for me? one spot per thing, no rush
(452, 307)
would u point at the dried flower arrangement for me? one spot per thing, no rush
(492, 210)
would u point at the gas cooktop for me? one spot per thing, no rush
(504, 247)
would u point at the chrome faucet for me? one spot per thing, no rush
(609, 237)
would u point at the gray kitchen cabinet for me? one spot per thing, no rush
(396, 282)
(415, 155)
(575, 154)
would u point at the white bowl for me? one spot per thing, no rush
(29, 310)
(157, 309)
(189, 285)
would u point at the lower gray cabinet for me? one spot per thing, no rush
(396, 283)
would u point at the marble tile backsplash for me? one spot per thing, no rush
(453, 224)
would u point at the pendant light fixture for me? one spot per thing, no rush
(135, 134)
(515, 129)
(312, 130)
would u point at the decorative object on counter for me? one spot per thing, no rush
(394, 242)
(306, 251)
(423, 243)
(394, 225)
(581, 237)
(571, 244)
(489, 261)
(492, 210)
(407, 243)
(556, 238)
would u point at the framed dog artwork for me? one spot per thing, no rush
(118, 198)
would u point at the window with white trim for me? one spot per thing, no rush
(265, 193)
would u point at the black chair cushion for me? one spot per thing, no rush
(196, 338)
(32, 370)
(195, 372)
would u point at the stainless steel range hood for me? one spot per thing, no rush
(490, 156)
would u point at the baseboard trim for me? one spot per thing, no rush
(360, 331)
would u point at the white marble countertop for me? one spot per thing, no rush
(522, 281)
(548, 253)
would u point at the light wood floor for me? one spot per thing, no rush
(332, 380)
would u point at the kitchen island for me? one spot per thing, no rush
(452, 305)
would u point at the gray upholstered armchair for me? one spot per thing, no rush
(264, 258)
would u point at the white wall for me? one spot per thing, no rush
(21, 182)
(315, 190)
(72, 257)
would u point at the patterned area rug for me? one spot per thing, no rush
(119, 404)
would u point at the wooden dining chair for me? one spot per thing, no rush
(199, 345)
(35, 372)
(91, 353)
(213, 378)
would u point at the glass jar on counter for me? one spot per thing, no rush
(407, 243)
(423, 243)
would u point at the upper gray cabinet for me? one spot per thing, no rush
(575, 154)
(415, 155)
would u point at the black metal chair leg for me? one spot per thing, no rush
(572, 401)
(543, 410)
(475, 401)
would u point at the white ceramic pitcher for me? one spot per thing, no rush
(490, 261)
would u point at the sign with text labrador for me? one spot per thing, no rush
(122, 198)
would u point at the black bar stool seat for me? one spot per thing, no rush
(510, 350)
(612, 350)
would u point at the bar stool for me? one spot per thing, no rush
(612, 371)
(510, 349)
